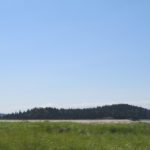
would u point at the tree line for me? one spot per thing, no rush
(118, 111)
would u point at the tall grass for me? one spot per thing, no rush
(74, 136)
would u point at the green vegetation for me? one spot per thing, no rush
(120, 111)
(74, 136)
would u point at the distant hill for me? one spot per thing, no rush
(118, 111)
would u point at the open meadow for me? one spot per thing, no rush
(73, 136)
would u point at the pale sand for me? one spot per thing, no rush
(103, 121)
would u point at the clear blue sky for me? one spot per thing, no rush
(78, 53)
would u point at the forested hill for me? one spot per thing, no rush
(119, 111)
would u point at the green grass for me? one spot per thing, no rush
(74, 136)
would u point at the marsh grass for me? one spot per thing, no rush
(74, 136)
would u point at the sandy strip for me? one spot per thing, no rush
(104, 121)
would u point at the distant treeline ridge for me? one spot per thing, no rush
(117, 111)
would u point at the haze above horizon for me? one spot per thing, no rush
(74, 53)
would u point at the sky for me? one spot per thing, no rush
(70, 54)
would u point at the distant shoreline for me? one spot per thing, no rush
(85, 121)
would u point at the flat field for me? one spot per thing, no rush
(73, 136)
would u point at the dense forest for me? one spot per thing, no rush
(118, 111)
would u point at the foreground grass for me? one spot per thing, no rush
(73, 136)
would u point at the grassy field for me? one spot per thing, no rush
(74, 136)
